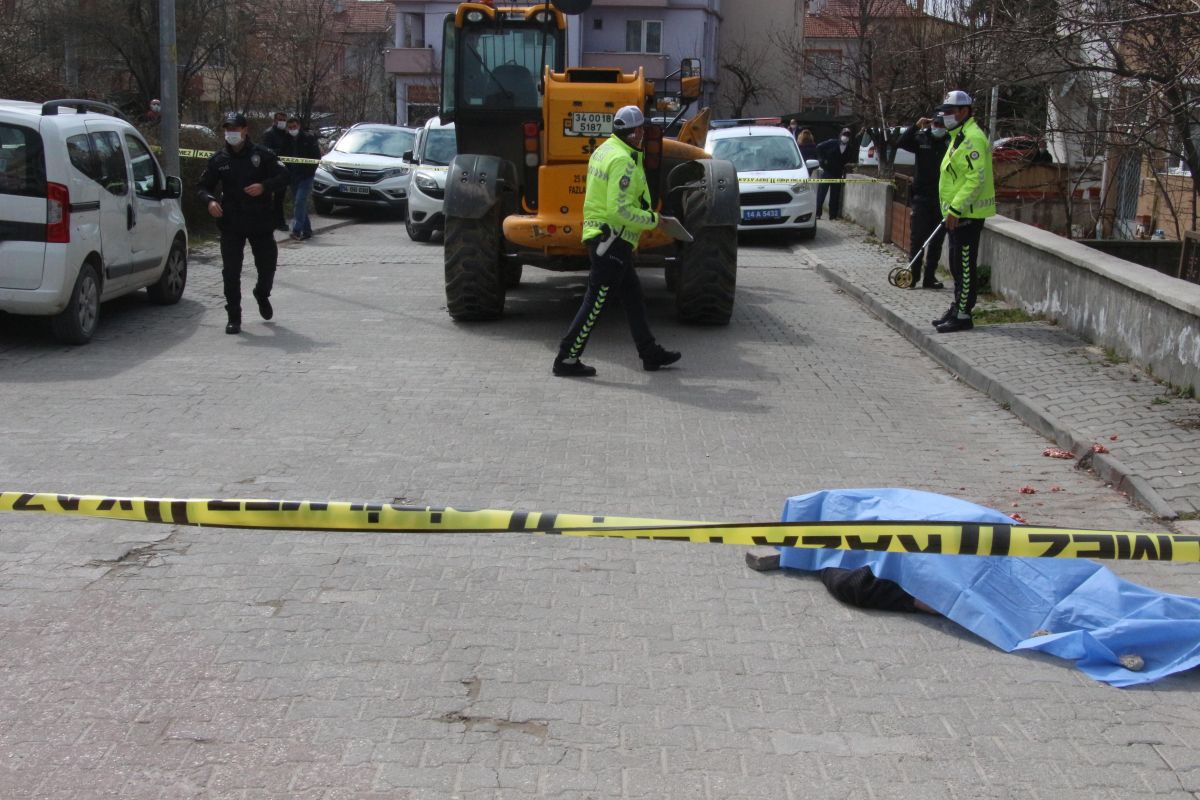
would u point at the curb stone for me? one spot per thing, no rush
(1108, 468)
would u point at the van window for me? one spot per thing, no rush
(22, 164)
(113, 176)
(145, 170)
(83, 158)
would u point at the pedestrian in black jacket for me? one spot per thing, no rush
(927, 140)
(247, 174)
(275, 138)
(300, 144)
(834, 155)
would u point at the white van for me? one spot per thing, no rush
(86, 215)
(433, 150)
(868, 157)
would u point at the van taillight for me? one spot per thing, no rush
(58, 214)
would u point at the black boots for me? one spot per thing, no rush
(572, 368)
(264, 305)
(656, 356)
(946, 317)
(234, 325)
(956, 323)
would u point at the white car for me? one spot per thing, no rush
(867, 157)
(365, 169)
(86, 215)
(432, 153)
(771, 177)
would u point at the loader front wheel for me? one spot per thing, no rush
(475, 278)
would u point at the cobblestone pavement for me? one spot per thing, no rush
(1072, 392)
(157, 661)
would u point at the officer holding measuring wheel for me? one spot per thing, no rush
(616, 209)
(968, 197)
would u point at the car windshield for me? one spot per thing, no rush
(376, 143)
(440, 147)
(759, 153)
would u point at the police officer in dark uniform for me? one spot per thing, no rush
(927, 141)
(248, 174)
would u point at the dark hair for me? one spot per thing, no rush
(294, 119)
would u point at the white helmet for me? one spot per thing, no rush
(958, 98)
(628, 118)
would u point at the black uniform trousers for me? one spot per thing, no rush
(926, 215)
(834, 190)
(964, 257)
(233, 249)
(612, 273)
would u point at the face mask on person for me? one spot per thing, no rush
(281, 124)
(845, 140)
(951, 121)
(293, 131)
(233, 137)
(155, 107)
(938, 133)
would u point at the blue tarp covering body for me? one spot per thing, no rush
(1093, 616)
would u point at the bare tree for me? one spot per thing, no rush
(887, 64)
(306, 44)
(748, 75)
(28, 40)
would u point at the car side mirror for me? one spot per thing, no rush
(407, 157)
(812, 164)
(174, 188)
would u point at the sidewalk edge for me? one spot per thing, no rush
(1107, 467)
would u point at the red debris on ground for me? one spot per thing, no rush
(1057, 452)
(1017, 517)
(1099, 448)
(1027, 490)
(1112, 438)
(1056, 488)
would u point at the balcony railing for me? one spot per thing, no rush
(656, 66)
(408, 61)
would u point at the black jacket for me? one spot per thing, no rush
(303, 146)
(929, 151)
(234, 171)
(274, 139)
(833, 160)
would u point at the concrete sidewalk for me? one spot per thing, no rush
(1071, 392)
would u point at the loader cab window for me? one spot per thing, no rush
(500, 68)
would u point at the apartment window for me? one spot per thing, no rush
(643, 36)
(413, 30)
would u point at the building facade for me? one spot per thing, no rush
(653, 34)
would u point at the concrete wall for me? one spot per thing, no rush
(1149, 318)
(869, 203)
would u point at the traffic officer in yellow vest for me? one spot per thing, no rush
(616, 209)
(968, 196)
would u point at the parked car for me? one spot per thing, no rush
(86, 215)
(1014, 148)
(432, 153)
(770, 172)
(365, 169)
(867, 155)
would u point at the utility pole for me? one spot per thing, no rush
(993, 109)
(168, 69)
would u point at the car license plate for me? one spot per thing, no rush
(346, 188)
(762, 213)
(590, 123)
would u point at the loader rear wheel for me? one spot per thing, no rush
(708, 276)
(474, 275)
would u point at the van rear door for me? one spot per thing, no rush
(22, 207)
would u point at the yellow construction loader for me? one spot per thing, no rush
(526, 126)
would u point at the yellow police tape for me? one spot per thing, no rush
(188, 153)
(811, 180)
(948, 538)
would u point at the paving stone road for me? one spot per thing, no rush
(157, 661)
